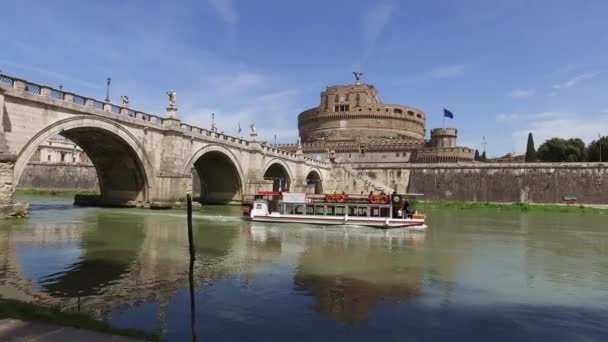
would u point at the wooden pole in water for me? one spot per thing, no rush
(190, 234)
(191, 269)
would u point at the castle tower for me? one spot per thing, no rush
(443, 137)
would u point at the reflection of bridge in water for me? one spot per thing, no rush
(114, 268)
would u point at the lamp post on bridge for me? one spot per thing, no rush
(108, 89)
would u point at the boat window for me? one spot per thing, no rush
(384, 212)
(319, 210)
(375, 211)
(288, 208)
(362, 211)
(330, 210)
(258, 206)
(340, 210)
(310, 210)
(299, 209)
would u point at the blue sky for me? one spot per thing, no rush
(504, 68)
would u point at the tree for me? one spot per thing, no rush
(476, 155)
(562, 150)
(483, 157)
(530, 151)
(593, 150)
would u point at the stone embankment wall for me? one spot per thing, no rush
(494, 182)
(481, 182)
(534, 182)
(59, 176)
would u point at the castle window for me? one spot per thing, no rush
(397, 111)
(48, 157)
(409, 112)
(386, 110)
(337, 99)
(342, 108)
(419, 116)
(347, 97)
(358, 98)
(397, 154)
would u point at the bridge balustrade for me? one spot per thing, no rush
(57, 94)
(32, 88)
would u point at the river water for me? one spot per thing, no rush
(473, 275)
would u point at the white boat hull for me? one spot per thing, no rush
(340, 220)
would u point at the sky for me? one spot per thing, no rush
(504, 68)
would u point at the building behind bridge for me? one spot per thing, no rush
(352, 124)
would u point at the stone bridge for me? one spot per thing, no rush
(140, 158)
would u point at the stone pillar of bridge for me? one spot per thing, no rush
(300, 172)
(7, 168)
(255, 181)
(171, 185)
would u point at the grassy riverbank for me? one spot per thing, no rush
(30, 312)
(55, 192)
(566, 208)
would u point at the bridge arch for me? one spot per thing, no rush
(220, 174)
(313, 177)
(122, 164)
(278, 170)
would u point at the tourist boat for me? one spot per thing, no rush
(378, 211)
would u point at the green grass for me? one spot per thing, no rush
(571, 208)
(10, 308)
(55, 192)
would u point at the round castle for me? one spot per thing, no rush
(355, 112)
(352, 124)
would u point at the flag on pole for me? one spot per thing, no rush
(239, 128)
(448, 114)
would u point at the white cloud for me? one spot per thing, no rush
(226, 9)
(519, 93)
(554, 115)
(506, 117)
(66, 79)
(271, 111)
(575, 80)
(374, 22)
(447, 71)
(565, 125)
(234, 83)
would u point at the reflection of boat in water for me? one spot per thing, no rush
(261, 231)
(378, 211)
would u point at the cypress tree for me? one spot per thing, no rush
(483, 156)
(530, 151)
(476, 155)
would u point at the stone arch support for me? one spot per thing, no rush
(276, 165)
(219, 174)
(124, 176)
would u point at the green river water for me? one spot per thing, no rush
(473, 275)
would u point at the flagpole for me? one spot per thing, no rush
(444, 120)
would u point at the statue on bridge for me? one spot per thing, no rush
(172, 98)
(253, 129)
(124, 101)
